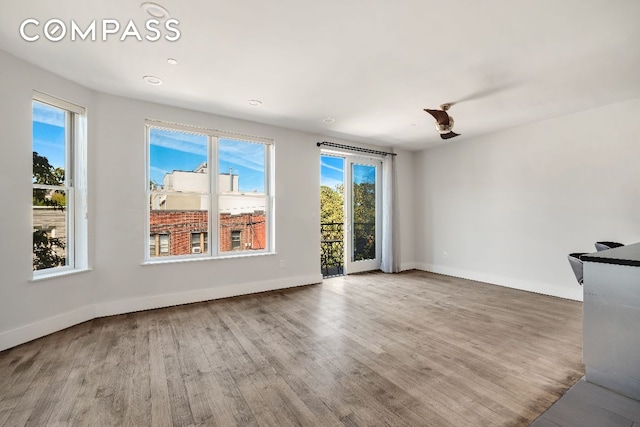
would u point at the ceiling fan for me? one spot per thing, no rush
(444, 122)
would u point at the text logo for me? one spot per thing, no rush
(55, 30)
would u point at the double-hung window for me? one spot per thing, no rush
(59, 186)
(209, 193)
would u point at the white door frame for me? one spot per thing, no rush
(352, 266)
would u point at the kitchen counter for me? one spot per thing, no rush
(611, 310)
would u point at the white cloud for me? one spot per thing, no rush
(335, 168)
(185, 142)
(158, 170)
(39, 142)
(43, 113)
(246, 154)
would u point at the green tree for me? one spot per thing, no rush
(364, 203)
(331, 223)
(44, 173)
(364, 220)
(331, 204)
(46, 249)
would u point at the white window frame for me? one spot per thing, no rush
(213, 234)
(75, 187)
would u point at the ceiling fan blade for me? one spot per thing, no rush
(449, 135)
(441, 116)
(487, 92)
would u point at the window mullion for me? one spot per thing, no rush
(70, 196)
(270, 180)
(214, 216)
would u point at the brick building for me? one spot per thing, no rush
(183, 232)
(179, 216)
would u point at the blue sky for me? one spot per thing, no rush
(48, 133)
(331, 171)
(171, 150)
(247, 160)
(364, 174)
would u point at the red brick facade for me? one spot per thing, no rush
(237, 232)
(251, 227)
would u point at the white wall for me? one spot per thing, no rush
(118, 282)
(509, 207)
(56, 302)
(121, 279)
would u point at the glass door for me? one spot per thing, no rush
(362, 223)
(332, 214)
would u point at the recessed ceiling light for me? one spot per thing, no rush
(152, 80)
(155, 10)
(172, 61)
(328, 120)
(255, 103)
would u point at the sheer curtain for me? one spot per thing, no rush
(390, 259)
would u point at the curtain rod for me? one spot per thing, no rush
(349, 147)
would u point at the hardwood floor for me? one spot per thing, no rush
(414, 348)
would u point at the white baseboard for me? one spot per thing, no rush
(44, 327)
(110, 308)
(56, 323)
(408, 266)
(507, 282)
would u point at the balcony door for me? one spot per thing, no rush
(350, 214)
(362, 214)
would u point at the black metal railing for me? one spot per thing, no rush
(332, 249)
(332, 245)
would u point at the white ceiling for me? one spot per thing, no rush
(373, 65)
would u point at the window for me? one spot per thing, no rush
(199, 243)
(235, 240)
(164, 244)
(59, 186)
(159, 245)
(209, 190)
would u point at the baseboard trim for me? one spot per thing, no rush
(574, 294)
(110, 308)
(32, 331)
(408, 266)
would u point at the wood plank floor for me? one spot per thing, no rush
(414, 348)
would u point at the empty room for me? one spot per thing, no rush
(293, 213)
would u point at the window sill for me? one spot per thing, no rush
(54, 274)
(208, 258)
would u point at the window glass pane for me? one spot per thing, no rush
(179, 184)
(49, 140)
(182, 191)
(178, 161)
(175, 217)
(241, 166)
(243, 223)
(50, 243)
(364, 212)
(50, 218)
